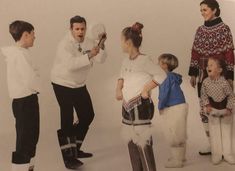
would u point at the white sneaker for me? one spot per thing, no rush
(229, 158)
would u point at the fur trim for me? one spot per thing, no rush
(174, 122)
(140, 134)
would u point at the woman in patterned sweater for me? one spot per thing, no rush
(212, 39)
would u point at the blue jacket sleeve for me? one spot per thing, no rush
(164, 93)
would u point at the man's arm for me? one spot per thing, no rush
(69, 59)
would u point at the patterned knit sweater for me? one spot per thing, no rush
(213, 39)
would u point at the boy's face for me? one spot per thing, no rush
(28, 39)
(213, 69)
(79, 31)
(207, 13)
(163, 65)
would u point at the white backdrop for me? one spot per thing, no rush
(169, 26)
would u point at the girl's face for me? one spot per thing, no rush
(213, 69)
(124, 44)
(207, 13)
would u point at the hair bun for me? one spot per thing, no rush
(137, 27)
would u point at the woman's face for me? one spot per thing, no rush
(207, 13)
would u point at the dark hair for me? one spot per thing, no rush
(134, 33)
(170, 60)
(221, 63)
(212, 4)
(17, 28)
(77, 19)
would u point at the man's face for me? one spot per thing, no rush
(78, 31)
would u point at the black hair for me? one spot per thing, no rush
(134, 33)
(17, 28)
(212, 4)
(77, 19)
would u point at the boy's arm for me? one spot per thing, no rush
(27, 75)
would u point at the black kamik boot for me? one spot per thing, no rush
(81, 133)
(67, 151)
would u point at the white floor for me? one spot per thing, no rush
(103, 139)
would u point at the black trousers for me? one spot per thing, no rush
(78, 99)
(26, 113)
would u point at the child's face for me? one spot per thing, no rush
(28, 39)
(79, 31)
(213, 69)
(163, 65)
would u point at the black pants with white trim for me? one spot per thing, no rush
(78, 99)
(26, 113)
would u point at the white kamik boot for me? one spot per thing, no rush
(215, 139)
(206, 150)
(20, 167)
(178, 155)
(226, 129)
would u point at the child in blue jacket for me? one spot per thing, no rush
(173, 111)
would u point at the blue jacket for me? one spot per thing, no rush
(170, 93)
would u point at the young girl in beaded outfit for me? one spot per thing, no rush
(139, 75)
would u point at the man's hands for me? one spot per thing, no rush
(94, 51)
(102, 39)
